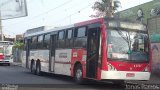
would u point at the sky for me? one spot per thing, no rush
(56, 13)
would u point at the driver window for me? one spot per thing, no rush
(138, 44)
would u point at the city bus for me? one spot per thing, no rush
(101, 49)
(6, 55)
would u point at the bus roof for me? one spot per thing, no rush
(48, 31)
(73, 25)
(64, 27)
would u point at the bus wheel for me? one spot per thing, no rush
(78, 75)
(38, 69)
(33, 68)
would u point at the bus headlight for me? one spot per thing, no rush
(146, 69)
(111, 68)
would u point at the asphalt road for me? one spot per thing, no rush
(19, 78)
(16, 76)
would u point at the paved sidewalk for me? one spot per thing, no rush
(16, 64)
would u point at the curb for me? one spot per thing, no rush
(16, 64)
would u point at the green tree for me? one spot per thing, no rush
(19, 45)
(105, 8)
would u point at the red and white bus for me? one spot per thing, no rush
(6, 56)
(99, 49)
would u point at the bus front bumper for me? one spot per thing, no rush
(6, 61)
(3, 62)
(125, 75)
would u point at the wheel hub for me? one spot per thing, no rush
(79, 74)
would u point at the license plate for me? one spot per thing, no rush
(130, 75)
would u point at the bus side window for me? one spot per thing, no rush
(46, 41)
(34, 42)
(80, 38)
(40, 42)
(69, 39)
(61, 41)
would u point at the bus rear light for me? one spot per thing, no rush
(111, 68)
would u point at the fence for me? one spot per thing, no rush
(17, 55)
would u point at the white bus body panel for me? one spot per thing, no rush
(43, 56)
(63, 62)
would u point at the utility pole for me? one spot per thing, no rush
(2, 38)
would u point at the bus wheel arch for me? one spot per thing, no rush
(38, 67)
(78, 73)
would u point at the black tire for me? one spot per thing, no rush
(33, 68)
(78, 74)
(38, 69)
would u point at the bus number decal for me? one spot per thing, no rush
(74, 54)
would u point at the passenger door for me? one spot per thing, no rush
(53, 44)
(92, 52)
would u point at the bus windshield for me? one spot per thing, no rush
(8, 50)
(1, 50)
(127, 45)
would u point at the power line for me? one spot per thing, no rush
(60, 19)
(9, 31)
(73, 6)
(53, 9)
(78, 11)
(75, 12)
(34, 17)
(58, 7)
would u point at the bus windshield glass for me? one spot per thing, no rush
(6, 47)
(127, 45)
(8, 50)
(1, 50)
